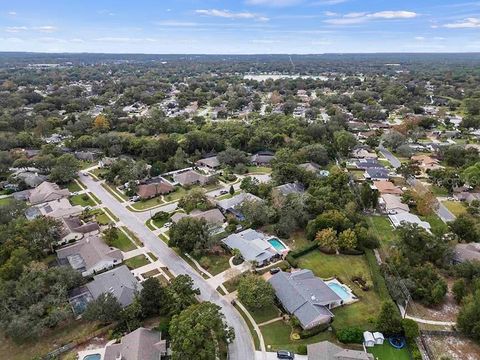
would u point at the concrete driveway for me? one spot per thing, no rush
(242, 348)
(273, 356)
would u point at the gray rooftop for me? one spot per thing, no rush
(326, 350)
(290, 188)
(141, 344)
(236, 200)
(252, 245)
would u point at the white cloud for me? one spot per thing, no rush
(358, 17)
(230, 14)
(265, 41)
(420, 38)
(274, 3)
(330, 13)
(468, 23)
(110, 39)
(328, 2)
(46, 28)
(176, 23)
(12, 13)
(15, 29)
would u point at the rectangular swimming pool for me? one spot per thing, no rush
(277, 244)
(339, 290)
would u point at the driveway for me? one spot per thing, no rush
(242, 347)
(444, 214)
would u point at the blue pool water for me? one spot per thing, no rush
(93, 357)
(339, 290)
(277, 244)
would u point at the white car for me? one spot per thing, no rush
(168, 224)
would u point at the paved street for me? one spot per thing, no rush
(390, 157)
(242, 348)
(444, 213)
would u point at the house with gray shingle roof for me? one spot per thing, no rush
(47, 191)
(141, 344)
(290, 188)
(305, 296)
(326, 350)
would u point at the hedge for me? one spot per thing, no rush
(312, 332)
(300, 252)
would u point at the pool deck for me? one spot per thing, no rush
(352, 298)
(283, 251)
(84, 353)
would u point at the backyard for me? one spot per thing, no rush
(383, 228)
(343, 267)
(388, 352)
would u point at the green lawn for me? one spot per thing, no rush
(383, 228)
(297, 241)
(159, 222)
(123, 242)
(438, 190)
(265, 314)
(132, 235)
(214, 264)
(277, 336)
(5, 201)
(457, 208)
(82, 200)
(137, 261)
(343, 267)
(438, 226)
(388, 352)
(259, 169)
(73, 186)
(145, 204)
(99, 172)
(102, 218)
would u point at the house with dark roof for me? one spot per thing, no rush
(90, 255)
(326, 350)
(377, 174)
(191, 177)
(212, 216)
(262, 158)
(290, 188)
(141, 344)
(466, 252)
(305, 296)
(56, 209)
(209, 162)
(232, 204)
(75, 229)
(31, 179)
(47, 191)
(148, 191)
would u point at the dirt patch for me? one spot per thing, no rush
(457, 348)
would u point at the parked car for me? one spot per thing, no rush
(168, 224)
(84, 173)
(284, 354)
(135, 198)
(274, 270)
(223, 192)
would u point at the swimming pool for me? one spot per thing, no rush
(340, 290)
(277, 244)
(93, 357)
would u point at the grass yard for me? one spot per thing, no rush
(357, 174)
(457, 208)
(145, 204)
(277, 336)
(82, 200)
(123, 242)
(438, 226)
(159, 222)
(383, 228)
(265, 314)
(73, 330)
(99, 172)
(151, 273)
(254, 334)
(133, 236)
(388, 352)
(438, 190)
(163, 238)
(297, 241)
(259, 170)
(343, 267)
(215, 264)
(153, 256)
(136, 262)
(73, 186)
(116, 194)
(5, 201)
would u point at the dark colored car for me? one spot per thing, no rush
(283, 354)
(274, 270)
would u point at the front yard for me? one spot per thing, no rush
(215, 264)
(457, 208)
(82, 200)
(136, 262)
(123, 242)
(146, 204)
(343, 267)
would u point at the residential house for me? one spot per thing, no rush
(376, 174)
(141, 344)
(232, 204)
(310, 166)
(209, 162)
(466, 252)
(387, 187)
(363, 153)
(305, 296)
(467, 196)
(290, 188)
(253, 246)
(262, 158)
(75, 229)
(31, 179)
(88, 155)
(150, 190)
(426, 162)
(212, 217)
(191, 177)
(364, 164)
(46, 192)
(90, 255)
(392, 204)
(56, 209)
(326, 350)
(120, 282)
(406, 217)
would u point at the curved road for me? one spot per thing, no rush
(242, 347)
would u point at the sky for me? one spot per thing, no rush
(240, 27)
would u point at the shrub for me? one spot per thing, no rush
(302, 349)
(312, 332)
(161, 215)
(350, 335)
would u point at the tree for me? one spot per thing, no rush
(316, 153)
(181, 293)
(101, 123)
(410, 329)
(197, 331)
(409, 169)
(389, 321)
(347, 240)
(232, 157)
(468, 319)
(250, 185)
(231, 190)
(393, 139)
(110, 235)
(195, 199)
(471, 175)
(344, 142)
(368, 196)
(465, 226)
(329, 219)
(190, 235)
(256, 212)
(153, 298)
(254, 292)
(105, 309)
(65, 169)
(459, 290)
(327, 239)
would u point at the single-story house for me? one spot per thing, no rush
(368, 339)
(363, 153)
(31, 179)
(75, 229)
(466, 252)
(209, 162)
(148, 191)
(141, 344)
(190, 177)
(305, 296)
(230, 205)
(56, 209)
(406, 217)
(387, 187)
(364, 164)
(326, 350)
(467, 196)
(426, 162)
(90, 255)
(393, 204)
(253, 246)
(119, 281)
(46, 192)
(310, 166)
(376, 174)
(290, 188)
(262, 158)
(212, 217)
